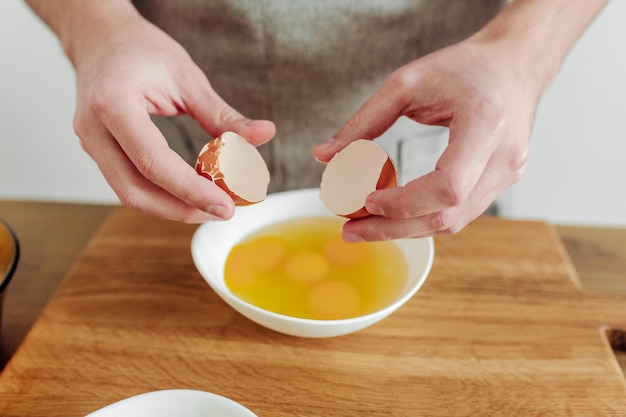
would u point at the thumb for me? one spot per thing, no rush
(374, 117)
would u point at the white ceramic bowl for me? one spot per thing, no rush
(174, 403)
(213, 241)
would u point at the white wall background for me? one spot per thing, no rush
(576, 172)
(40, 156)
(577, 168)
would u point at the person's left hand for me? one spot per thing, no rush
(487, 97)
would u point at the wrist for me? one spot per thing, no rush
(80, 24)
(537, 35)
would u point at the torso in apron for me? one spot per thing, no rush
(308, 65)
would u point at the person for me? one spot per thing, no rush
(303, 72)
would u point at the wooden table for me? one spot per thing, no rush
(52, 236)
(501, 327)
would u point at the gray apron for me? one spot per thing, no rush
(308, 65)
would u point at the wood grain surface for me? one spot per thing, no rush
(501, 327)
(598, 255)
(52, 235)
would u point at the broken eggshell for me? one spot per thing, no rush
(236, 166)
(352, 174)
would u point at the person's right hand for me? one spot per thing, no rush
(127, 69)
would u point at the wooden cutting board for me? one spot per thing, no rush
(501, 328)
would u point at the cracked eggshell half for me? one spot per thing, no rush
(352, 174)
(236, 166)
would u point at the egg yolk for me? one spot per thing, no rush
(306, 267)
(340, 252)
(334, 300)
(268, 253)
(242, 274)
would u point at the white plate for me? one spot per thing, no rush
(174, 403)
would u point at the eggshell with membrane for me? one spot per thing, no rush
(236, 166)
(352, 174)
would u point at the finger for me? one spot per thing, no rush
(144, 145)
(216, 116)
(134, 190)
(374, 117)
(447, 221)
(471, 146)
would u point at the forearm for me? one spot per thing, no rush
(77, 23)
(540, 33)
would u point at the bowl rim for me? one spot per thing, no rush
(224, 292)
(16, 255)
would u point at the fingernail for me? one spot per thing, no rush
(375, 209)
(352, 237)
(323, 148)
(219, 212)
